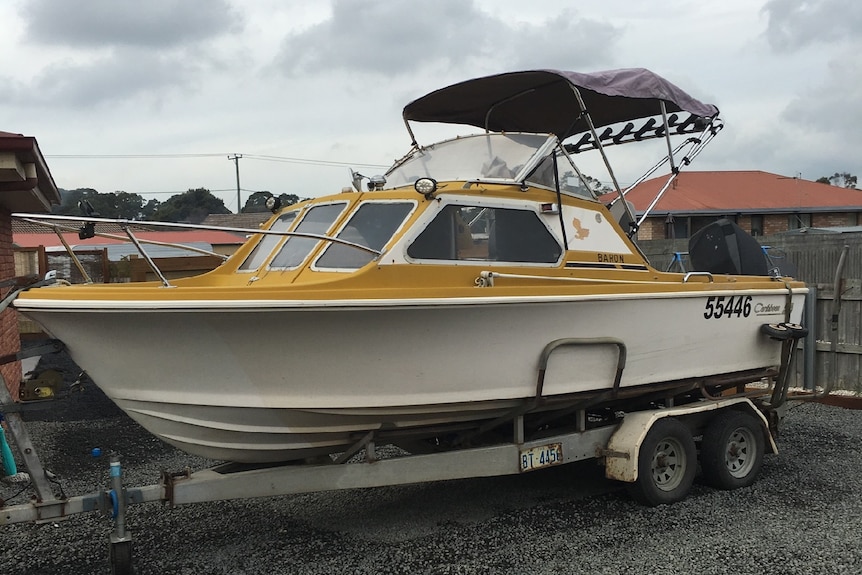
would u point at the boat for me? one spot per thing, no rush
(481, 278)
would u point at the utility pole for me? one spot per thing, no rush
(235, 159)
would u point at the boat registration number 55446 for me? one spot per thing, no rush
(541, 456)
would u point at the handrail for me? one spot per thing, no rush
(138, 243)
(486, 279)
(81, 269)
(586, 341)
(690, 275)
(534, 401)
(125, 238)
(147, 257)
(126, 222)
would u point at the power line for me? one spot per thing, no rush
(128, 156)
(262, 157)
(309, 161)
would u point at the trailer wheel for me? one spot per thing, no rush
(666, 464)
(732, 450)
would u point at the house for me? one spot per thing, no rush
(112, 238)
(110, 256)
(26, 185)
(759, 202)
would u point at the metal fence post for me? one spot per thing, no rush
(809, 348)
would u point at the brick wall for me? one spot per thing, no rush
(10, 341)
(833, 220)
(652, 229)
(775, 223)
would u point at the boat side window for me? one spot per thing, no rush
(295, 249)
(372, 225)
(486, 234)
(268, 242)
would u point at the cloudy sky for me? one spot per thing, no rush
(152, 97)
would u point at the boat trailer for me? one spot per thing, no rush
(652, 450)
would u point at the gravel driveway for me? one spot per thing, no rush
(804, 514)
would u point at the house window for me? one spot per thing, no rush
(680, 227)
(757, 225)
(797, 221)
(700, 222)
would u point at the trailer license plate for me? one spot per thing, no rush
(541, 456)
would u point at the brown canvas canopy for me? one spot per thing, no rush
(543, 101)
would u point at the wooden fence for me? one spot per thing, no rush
(816, 258)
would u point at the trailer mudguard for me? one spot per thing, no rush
(623, 449)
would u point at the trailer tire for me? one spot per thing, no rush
(667, 462)
(731, 453)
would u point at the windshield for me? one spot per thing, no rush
(486, 157)
(372, 225)
(266, 244)
(316, 220)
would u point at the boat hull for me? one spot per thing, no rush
(274, 381)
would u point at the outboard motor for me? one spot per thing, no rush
(723, 247)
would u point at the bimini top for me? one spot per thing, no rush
(545, 101)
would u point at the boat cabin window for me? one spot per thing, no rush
(486, 234)
(317, 220)
(268, 242)
(372, 225)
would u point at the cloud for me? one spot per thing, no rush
(818, 123)
(113, 78)
(565, 42)
(395, 38)
(118, 50)
(153, 23)
(832, 106)
(796, 24)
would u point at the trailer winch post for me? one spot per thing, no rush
(121, 539)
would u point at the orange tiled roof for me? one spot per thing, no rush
(743, 192)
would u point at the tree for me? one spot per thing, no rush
(118, 204)
(843, 180)
(257, 201)
(149, 209)
(69, 201)
(192, 206)
(290, 199)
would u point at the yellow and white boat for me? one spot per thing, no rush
(476, 281)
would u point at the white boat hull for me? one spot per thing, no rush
(275, 381)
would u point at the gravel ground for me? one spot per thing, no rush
(804, 514)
